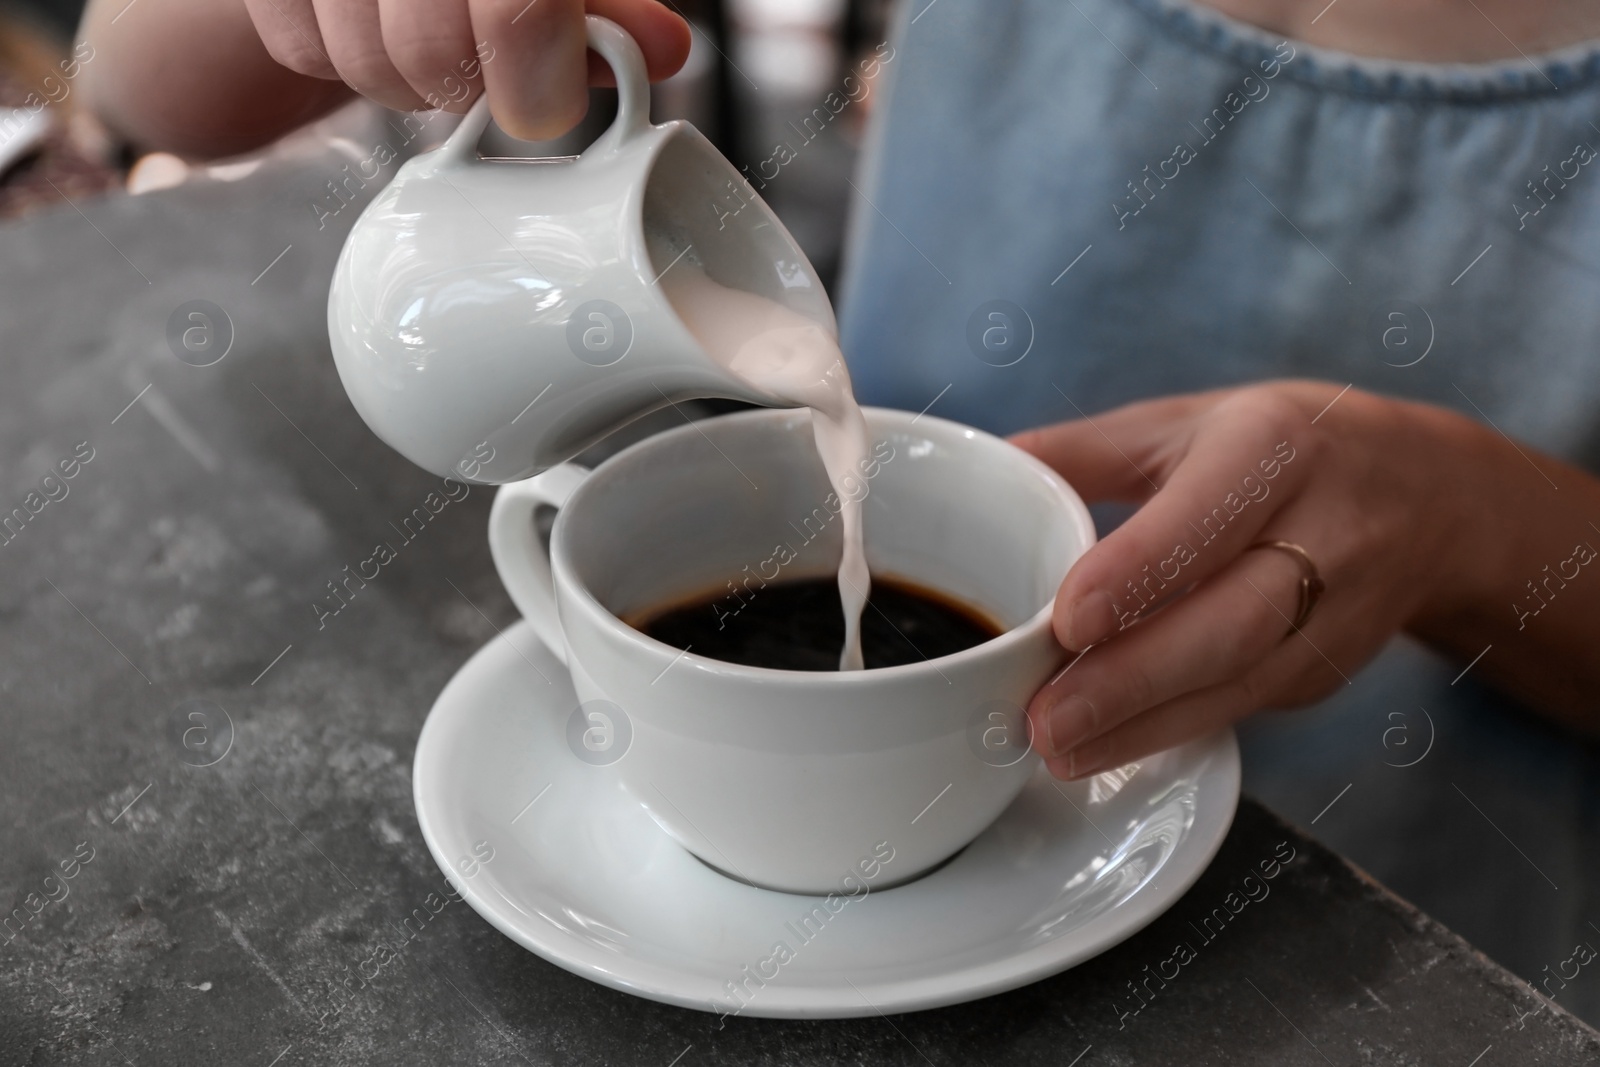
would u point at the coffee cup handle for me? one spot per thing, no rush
(633, 98)
(523, 562)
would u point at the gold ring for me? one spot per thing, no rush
(1311, 583)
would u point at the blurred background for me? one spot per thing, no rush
(758, 70)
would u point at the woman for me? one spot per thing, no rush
(1069, 206)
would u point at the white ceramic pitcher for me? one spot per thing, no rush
(491, 318)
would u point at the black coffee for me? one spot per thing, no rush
(799, 625)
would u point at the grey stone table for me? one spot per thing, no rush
(205, 798)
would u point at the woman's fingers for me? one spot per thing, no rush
(432, 47)
(535, 70)
(1221, 631)
(1115, 455)
(290, 32)
(353, 38)
(1173, 723)
(531, 56)
(1296, 672)
(1091, 462)
(1243, 463)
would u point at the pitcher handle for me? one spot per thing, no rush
(618, 48)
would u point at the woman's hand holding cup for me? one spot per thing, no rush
(1183, 629)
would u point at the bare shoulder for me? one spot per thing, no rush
(1429, 31)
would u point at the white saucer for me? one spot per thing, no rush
(581, 875)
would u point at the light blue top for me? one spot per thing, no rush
(1152, 199)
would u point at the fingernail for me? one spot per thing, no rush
(1089, 758)
(1089, 620)
(1067, 723)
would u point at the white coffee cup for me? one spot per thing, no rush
(796, 780)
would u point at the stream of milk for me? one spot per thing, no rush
(786, 354)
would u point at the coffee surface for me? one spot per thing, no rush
(798, 625)
(795, 360)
